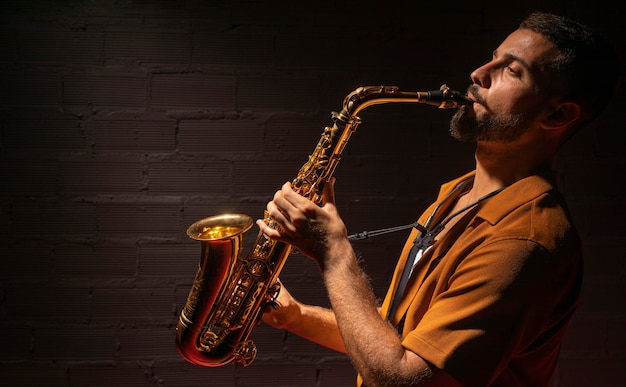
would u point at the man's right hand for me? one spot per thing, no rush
(287, 310)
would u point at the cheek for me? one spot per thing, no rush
(508, 101)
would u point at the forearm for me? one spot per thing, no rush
(314, 323)
(318, 325)
(372, 343)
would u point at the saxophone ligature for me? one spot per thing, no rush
(229, 293)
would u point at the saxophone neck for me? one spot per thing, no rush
(365, 96)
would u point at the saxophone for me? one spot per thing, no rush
(229, 293)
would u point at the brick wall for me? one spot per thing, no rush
(123, 122)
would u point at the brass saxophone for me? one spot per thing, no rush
(229, 293)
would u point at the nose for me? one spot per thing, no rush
(481, 76)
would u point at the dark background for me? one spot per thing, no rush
(123, 122)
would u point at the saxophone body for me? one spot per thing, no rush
(230, 293)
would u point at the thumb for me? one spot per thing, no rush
(328, 192)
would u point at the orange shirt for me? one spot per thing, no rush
(490, 301)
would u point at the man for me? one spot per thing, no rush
(489, 297)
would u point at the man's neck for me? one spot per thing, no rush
(500, 165)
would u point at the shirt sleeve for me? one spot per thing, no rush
(494, 304)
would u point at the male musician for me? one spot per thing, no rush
(489, 288)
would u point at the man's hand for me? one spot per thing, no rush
(308, 227)
(286, 312)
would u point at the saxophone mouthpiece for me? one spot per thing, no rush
(444, 98)
(461, 99)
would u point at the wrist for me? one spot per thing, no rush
(339, 254)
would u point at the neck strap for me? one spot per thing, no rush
(425, 229)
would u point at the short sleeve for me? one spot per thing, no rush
(495, 304)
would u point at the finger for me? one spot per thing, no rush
(292, 206)
(265, 229)
(270, 232)
(272, 304)
(292, 197)
(278, 213)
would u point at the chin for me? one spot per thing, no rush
(463, 127)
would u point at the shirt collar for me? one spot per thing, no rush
(513, 196)
(500, 205)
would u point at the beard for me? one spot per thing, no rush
(493, 127)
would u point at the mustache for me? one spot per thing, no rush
(473, 90)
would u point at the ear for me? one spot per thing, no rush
(565, 114)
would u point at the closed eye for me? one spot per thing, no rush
(513, 72)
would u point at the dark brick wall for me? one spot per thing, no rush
(123, 122)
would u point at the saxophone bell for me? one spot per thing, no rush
(200, 337)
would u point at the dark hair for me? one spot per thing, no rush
(587, 65)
